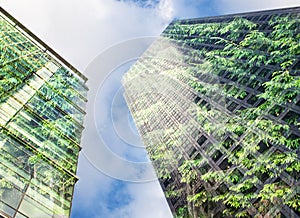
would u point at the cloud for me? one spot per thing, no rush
(142, 3)
(80, 31)
(101, 71)
(166, 9)
(144, 204)
(90, 185)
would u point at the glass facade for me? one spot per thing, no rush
(217, 103)
(42, 107)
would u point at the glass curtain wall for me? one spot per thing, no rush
(217, 103)
(42, 105)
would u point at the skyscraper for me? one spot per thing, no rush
(42, 107)
(217, 103)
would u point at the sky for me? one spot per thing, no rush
(103, 38)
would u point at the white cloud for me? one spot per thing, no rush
(147, 204)
(90, 183)
(80, 31)
(166, 9)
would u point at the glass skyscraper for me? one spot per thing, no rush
(42, 107)
(217, 103)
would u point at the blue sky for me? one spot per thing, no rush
(102, 38)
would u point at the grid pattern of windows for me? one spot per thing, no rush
(216, 101)
(41, 114)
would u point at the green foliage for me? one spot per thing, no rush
(199, 198)
(244, 48)
(4, 184)
(39, 143)
(182, 212)
(282, 88)
(187, 170)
